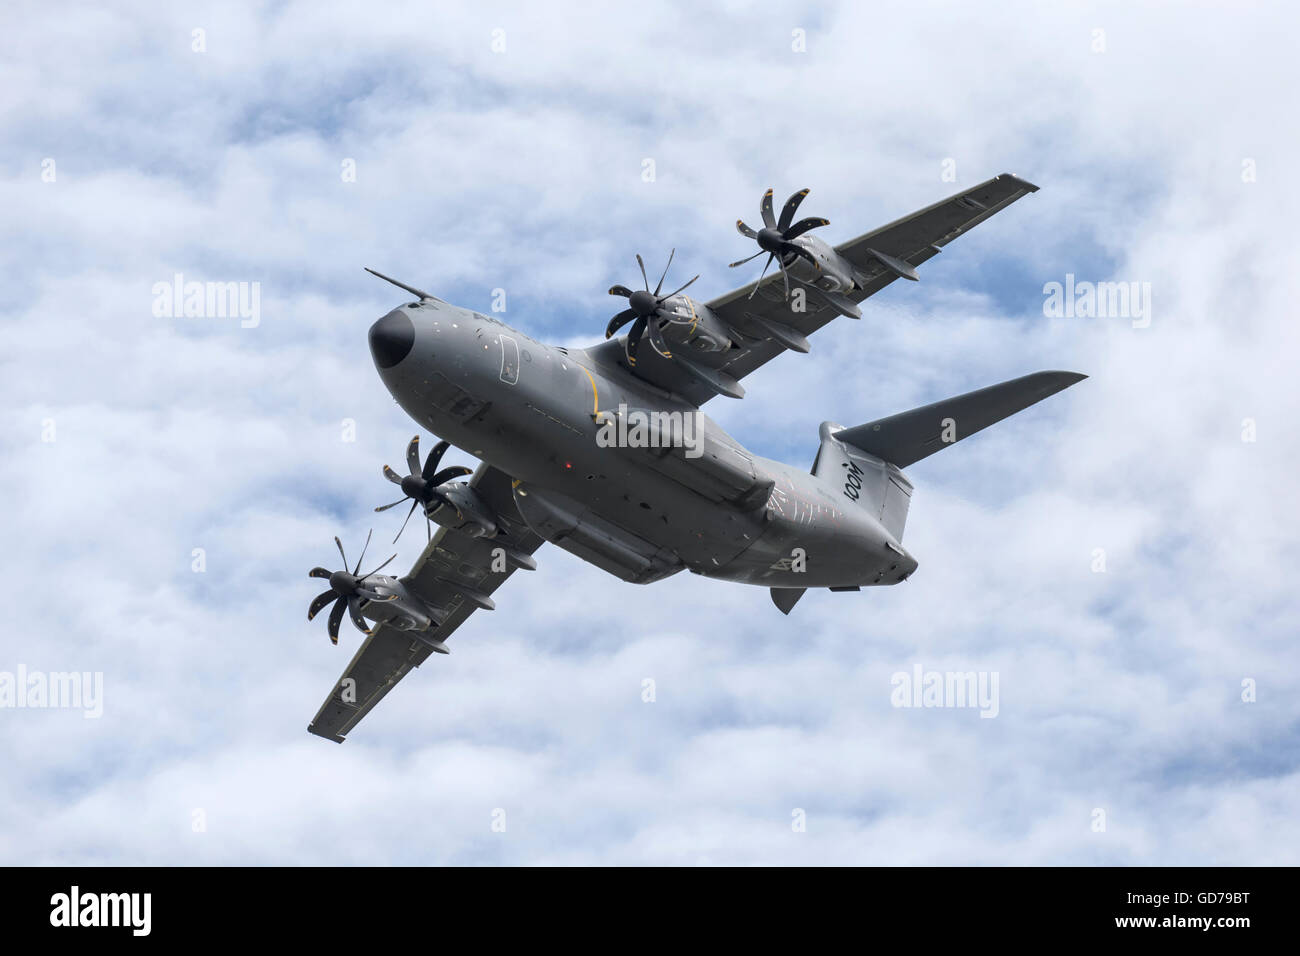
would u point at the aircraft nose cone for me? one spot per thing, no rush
(391, 338)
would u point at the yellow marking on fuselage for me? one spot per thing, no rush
(595, 395)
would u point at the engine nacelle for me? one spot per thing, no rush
(693, 327)
(467, 513)
(398, 608)
(833, 273)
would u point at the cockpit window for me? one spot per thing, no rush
(509, 360)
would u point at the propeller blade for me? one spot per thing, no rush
(634, 339)
(380, 568)
(370, 595)
(435, 456)
(400, 501)
(745, 231)
(618, 321)
(318, 573)
(413, 455)
(408, 518)
(341, 554)
(657, 339)
(336, 616)
(770, 257)
(354, 612)
(733, 265)
(447, 474)
(319, 601)
(622, 290)
(765, 207)
(679, 291)
(363, 552)
(785, 277)
(392, 476)
(665, 275)
(802, 226)
(643, 275)
(787, 211)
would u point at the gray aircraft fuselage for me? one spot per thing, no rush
(536, 412)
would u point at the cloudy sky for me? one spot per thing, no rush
(1122, 556)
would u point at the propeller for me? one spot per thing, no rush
(647, 309)
(776, 237)
(421, 485)
(347, 590)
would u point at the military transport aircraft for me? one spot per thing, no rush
(604, 452)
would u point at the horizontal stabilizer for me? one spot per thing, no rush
(910, 436)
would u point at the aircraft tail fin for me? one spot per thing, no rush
(874, 484)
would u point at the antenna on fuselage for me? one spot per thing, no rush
(402, 285)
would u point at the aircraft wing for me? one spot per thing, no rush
(388, 654)
(912, 240)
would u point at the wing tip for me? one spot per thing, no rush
(1066, 377)
(1028, 186)
(1051, 381)
(337, 738)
